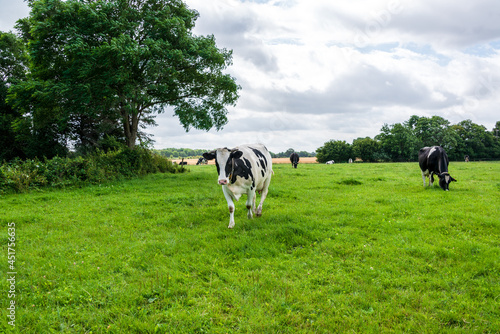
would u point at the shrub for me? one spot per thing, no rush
(100, 167)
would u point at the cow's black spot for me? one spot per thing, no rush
(241, 168)
(218, 167)
(262, 173)
(262, 158)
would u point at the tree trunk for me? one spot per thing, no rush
(130, 127)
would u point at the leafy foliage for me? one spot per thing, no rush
(337, 150)
(366, 149)
(175, 153)
(97, 168)
(12, 68)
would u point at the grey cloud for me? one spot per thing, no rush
(458, 24)
(358, 91)
(233, 30)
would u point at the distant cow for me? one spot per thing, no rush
(466, 158)
(201, 161)
(243, 170)
(330, 162)
(433, 160)
(294, 159)
(350, 160)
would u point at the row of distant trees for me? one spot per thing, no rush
(288, 152)
(402, 141)
(177, 153)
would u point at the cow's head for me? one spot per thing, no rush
(444, 180)
(224, 161)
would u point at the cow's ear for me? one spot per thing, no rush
(209, 155)
(452, 179)
(236, 154)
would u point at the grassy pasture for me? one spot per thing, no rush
(348, 248)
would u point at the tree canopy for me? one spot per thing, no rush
(337, 150)
(107, 67)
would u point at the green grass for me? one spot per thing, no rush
(350, 248)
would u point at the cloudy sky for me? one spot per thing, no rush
(315, 70)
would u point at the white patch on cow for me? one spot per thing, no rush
(431, 151)
(222, 157)
(447, 178)
(230, 205)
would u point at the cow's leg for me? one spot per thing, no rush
(263, 196)
(230, 205)
(423, 177)
(250, 203)
(431, 179)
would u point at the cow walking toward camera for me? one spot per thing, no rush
(242, 170)
(433, 160)
(294, 159)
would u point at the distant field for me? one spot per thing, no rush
(344, 248)
(309, 160)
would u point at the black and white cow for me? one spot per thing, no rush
(244, 169)
(433, 160)
(294, 159)
(201, 161)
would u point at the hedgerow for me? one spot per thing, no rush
(24, 175)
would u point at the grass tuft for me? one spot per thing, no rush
(350, 182)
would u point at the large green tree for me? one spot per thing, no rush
(337, 150)
(398, 142)
(477, 142)
(97, 64)
(366, 149)
(435, 130)
(429, 131)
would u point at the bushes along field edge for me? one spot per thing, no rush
(24, 175)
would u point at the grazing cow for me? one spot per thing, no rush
(433, 160)
(350, 160)
(466, 158)
(201, 161)
(294, 159)
(243, 170)
(330, 162)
